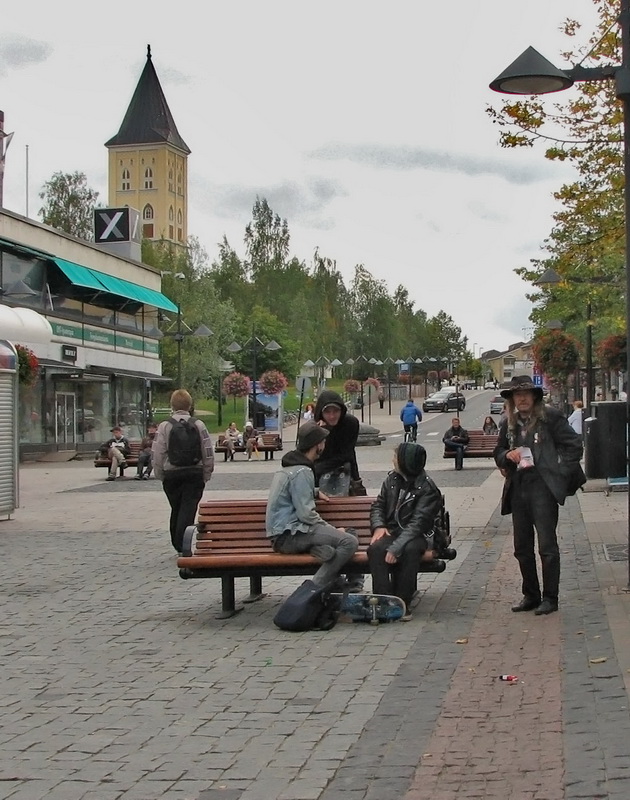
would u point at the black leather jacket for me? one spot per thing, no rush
(406, 508)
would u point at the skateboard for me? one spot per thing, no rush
(372, 608)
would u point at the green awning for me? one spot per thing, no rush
(78, 275)
(93, 279)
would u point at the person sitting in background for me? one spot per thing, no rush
(250, 439)
(233, 438)
(575, 419)
(456, 438)
(145, 459)
(490, 426)
(117, 449)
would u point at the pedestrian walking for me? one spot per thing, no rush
(183, 460)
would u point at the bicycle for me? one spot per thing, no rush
(411, 433)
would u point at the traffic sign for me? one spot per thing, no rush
(537, 380)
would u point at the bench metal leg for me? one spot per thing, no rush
(228, 599)
(255, 590)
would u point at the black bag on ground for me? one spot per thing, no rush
(184, 443)
(308, 608)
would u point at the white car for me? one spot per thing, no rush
(488, 385)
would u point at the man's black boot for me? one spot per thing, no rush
(526, 604)
(546, 607)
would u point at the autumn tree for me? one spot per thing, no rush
(69, 204)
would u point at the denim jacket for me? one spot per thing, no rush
(291, 503)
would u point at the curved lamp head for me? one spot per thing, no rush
(531, 73)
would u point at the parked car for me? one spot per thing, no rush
(444, 401)
(489, 385)
(496, 404)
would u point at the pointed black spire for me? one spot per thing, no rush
(148, 119)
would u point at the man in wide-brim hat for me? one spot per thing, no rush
(538, 453)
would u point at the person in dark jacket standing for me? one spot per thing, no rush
(401, 519)
(339, 450)
(456, 438)
(537, 452)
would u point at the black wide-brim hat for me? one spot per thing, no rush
(522, 383)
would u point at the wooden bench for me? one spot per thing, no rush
(132, 459)
(230, 541)
(271, 443)
(480, 445)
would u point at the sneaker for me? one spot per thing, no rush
(137, 477)
(406, 617)
(145, 477)
(249, 458)
(123, 465)
(110, 478)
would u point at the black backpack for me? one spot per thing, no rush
(309, 608)
(184, 443)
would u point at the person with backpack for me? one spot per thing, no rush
(183, 460)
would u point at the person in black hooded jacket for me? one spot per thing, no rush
(332, 414)
(401, 519)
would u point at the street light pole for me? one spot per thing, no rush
(179, 338)
(533, 74)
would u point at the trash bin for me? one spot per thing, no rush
(608, 458)
(592, 449)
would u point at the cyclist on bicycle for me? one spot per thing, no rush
(410, 415)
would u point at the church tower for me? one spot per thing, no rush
(148, 163)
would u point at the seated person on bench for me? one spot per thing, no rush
(456, 438)
(293, 523)
(402, 517)
(233, 438)
(145, 459)
(117, 449)
(250, 439)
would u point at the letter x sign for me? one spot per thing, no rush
(111, 224)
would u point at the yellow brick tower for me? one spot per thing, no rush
(148, 163)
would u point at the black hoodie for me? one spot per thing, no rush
(339, 448)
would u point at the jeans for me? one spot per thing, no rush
(535, 507)
(459, 452)
(399, 579)
(325, 543)
(183, 489)
(145, 463)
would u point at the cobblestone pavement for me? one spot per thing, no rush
(119, 681)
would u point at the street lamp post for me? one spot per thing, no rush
(179, 334)
(531, 73)
(253, 345)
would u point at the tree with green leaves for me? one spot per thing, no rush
(583, 128)
(69, 204)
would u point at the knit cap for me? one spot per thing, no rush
(411, 458)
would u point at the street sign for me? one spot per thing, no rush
(537, 380)
(303, 383)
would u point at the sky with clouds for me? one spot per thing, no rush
(362, 123)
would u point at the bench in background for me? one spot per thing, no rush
(480, 445)
(132, 459)
(271, 443)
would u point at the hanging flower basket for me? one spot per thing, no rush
(236, 385)
(432, 374)
(272, 382)
(351, 386)
(612, 353)
(28, 369)
(557, 354)
(374, 383)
